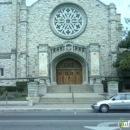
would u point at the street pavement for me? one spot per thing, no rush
(58, 120)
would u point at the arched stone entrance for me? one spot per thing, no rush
(77, 59)
(69, 71)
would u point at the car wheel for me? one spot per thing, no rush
(104, 108)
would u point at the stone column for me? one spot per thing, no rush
(95, 68)
(42, 87)
(22, 41)
(43, 68)
(112, 88)
(114, 33)
(98, 86)
(33, 92)
(113, 27)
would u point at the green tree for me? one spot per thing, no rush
(123, 63)
(126, 42)
(123, 59)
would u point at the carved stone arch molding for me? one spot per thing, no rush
(57, 50)
(81, 60)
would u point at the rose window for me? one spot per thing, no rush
(68, 21)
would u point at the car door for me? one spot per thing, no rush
(127, 102)
(118, 102)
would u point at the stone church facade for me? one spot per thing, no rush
(60, 41)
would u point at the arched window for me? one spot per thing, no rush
(1, 72)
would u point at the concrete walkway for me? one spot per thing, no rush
(40, 107)
(24, 105)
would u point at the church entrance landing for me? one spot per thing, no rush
(69, 71)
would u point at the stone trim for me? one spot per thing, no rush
(23, 22)
(5, 55)
(94, 47)
(13, 51)
(42, 48)
(68, 47)
(3, 3)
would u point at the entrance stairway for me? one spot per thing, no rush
(66, 98)
(77, 88)
(66, 94)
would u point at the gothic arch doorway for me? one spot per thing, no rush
(69, 71)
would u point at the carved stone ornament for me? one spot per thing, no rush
(68, 20)
(68, 47)
(94, 47)
(42, 47)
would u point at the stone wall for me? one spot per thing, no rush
(8, 65)
(98, 30)
(7, 27)
(8, 40)
(23, 29)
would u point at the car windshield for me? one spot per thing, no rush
(112, 96)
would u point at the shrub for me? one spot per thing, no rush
(127, 85)
(2, 90)
(21, 86)
(10, 89)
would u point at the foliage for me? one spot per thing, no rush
(126, 42)
(123, 63)
(123, 59)
(2, 90)
(10, 89)
(21, 86)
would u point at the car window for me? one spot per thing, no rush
(128, 96)
(117, 97)
(120, 97)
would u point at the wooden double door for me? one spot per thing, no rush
(69, 71)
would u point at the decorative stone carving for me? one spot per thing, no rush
(69, 47)
(68, 20)
(94, 47)
(42, 47)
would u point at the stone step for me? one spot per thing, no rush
(70, 88)
(67, 101)
(64, 98)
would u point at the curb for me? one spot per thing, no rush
(43, 109)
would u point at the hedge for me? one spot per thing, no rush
(20, 87)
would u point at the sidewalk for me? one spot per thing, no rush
(53, 107)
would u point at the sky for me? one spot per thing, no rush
(121, 5)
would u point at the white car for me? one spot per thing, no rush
(118, 101)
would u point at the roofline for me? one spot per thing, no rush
(39, 0)
(102, 3)
(33, 4)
